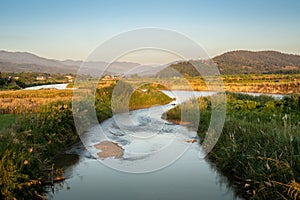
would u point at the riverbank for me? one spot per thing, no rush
(150, 148)
(259, 148)
(58, 86)
(41, 131)
(17, 81)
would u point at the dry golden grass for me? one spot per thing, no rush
(272, 84)
(25, 105)
(21, 101)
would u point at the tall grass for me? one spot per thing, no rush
(259, 148)
(19, 102)
(6, 121)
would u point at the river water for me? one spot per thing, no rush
(60, 86)
(185, 177)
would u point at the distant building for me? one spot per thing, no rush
(41, 78)
(106, 78)
(109, 78)
(70, 78)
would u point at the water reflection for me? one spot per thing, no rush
(187, 178)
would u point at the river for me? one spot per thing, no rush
(60, 86)
(145, 175)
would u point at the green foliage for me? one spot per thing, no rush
(21, 84)
(20, 169)
(259, 147)
(53, 129)
(173, 114)
(27, 150)
(103, 103)
(7, 120)
(147, 96)
(127, 97)
(12, 180)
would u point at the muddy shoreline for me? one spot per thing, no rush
(109, 149)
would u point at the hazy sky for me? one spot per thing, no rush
(72, 29)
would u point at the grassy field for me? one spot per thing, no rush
(23, 101)
(259, 148)
(264, 83)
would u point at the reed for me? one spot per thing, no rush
(259, 148)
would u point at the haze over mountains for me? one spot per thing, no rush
(27, 62)
(234, 62)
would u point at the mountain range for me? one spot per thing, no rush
(233, 62)
(240, 62)
(28, 62)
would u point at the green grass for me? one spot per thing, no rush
(259, 147)
(126, 96)
(7, 120)
(146, 97)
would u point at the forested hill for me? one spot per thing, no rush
(257, 62)
(243, 62)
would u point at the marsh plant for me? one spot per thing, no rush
(259, 148)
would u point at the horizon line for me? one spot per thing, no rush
(82, 60)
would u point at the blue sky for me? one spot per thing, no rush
(72, 29)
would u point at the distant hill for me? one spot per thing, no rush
(234, 62)
(178, 69)
(257, 62)
(242, 62)
(23, 61)
(23, 67)
(27, 62)
(27, 58)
